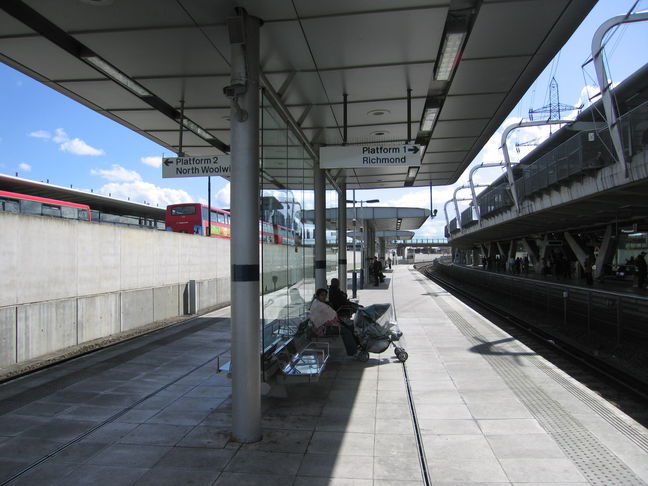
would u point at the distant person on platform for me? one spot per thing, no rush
(389, 262)
(640, 262)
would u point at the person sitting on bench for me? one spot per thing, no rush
(339, 300)
(323, 316)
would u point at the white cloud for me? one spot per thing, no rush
(117, 174)
(223, 197)
(25, 167)
(44, 134)
(74, 146)
(60, 136)
(153, 161)
(140, 191)
(79, 147)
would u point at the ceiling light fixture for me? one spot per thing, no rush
(429, 117)
(380, 133)
(412, 172)
(449, 55)
(116, 75)
(378, 112)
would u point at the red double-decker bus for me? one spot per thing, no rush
(196, 219)
(13, 202)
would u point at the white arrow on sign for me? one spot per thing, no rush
(370, 155)
(198, 166)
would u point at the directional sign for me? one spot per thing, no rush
(199, 166)
(370, 155)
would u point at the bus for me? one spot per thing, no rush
(13, 202)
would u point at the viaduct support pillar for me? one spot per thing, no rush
(244, 245)
(320, 227)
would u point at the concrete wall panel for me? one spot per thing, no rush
(99, 258)
(7, 336)
(47, 258)
(45, 327)
(166, 302)
(9, 262)
(136, 309)
(138, 248)
(98, 316)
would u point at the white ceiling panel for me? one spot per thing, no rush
(147, 119)
(53, 62)
(375, 38)
(378, 82)
(196, 91)
(283, 48)
(309, 8)
(443, 157)
(470, 106)
(457, 128)
(487, 75)
(213, 118)
(450, 144)
(186, 51)
(105, 94)
(519, 38)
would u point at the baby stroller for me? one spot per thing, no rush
(375, 337)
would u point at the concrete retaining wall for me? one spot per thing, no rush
(68, 283)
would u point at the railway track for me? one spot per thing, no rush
(625, 391)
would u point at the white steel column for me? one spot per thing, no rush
(342, 237)
(244, 245)
(320, 227)
(605, 85)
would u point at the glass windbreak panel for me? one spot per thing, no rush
(287, 262)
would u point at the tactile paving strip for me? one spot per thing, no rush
(594, 461)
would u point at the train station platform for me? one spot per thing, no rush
(471, 406)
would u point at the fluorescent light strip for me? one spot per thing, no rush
(451, 46)
(429, 116)
(116, 75)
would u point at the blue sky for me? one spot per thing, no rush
(46, 136)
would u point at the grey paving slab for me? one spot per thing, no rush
(262, 462)
(337, 466)
(94, 475)
(128, 455)
(156, 434)
(244, 479)
(170, 476)
(541, 470)
(192, 457)
(204, 436)
(342, 443)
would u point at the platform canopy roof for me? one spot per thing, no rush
(382, 219)
(464, 63)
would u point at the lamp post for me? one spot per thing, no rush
(355, 238)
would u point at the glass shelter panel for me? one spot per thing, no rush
(287, 259)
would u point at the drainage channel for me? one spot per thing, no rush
(425, 472)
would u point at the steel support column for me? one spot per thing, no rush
(606, 86)
(320, 227)
(342, 236)
(244, 245)
(606, 251)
